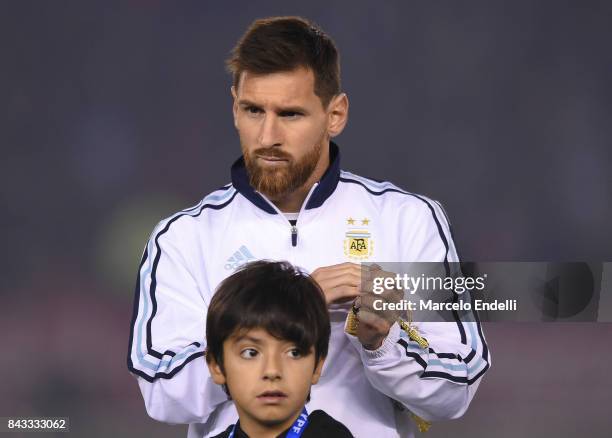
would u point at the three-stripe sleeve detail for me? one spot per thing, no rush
(449, 366)
(143, 360)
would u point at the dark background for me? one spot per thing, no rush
(114, 115)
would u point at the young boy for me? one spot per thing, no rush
(267, 335)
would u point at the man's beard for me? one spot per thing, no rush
(278, 182)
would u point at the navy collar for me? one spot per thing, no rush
(326, 186)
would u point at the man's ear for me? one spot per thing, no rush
(234, 105)
(317, 371)
(215, 371)
(338, 114)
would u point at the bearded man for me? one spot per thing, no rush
(289, 200)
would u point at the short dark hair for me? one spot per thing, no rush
(274, 296)
(279, 44)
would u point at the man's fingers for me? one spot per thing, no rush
(348, 278)
(373, 321)
(372, 330)
(342, 294)
(366, 272)
(339, 266)
(327, 272)
(375, 304)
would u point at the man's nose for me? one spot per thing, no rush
(270, 133)
(272, 368)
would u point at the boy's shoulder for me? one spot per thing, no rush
(321, 424)
(225, 433)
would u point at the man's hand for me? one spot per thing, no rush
(351, 281)
(374, 325)
(340, 283)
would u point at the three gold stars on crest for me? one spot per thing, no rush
(351, 221)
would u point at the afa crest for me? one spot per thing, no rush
(358, 242)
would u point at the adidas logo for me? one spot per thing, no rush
(239, 258)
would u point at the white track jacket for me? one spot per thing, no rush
(371, 392)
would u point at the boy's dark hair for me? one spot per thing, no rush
(280, 44)
(273, 296)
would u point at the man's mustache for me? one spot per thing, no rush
(271, 153)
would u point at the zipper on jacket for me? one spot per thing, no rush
(294, 230)
(294, 235)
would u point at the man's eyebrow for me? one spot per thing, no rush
(282, 109)
(292, 109)
(247, 102)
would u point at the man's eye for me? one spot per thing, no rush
(252, 110)
(290, 114)
(248, 353)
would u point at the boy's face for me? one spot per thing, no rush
(268, 379)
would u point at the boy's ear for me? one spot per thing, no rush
(317, 372)
(215, 371)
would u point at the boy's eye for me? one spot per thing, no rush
(295, 353)
(248, 353)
